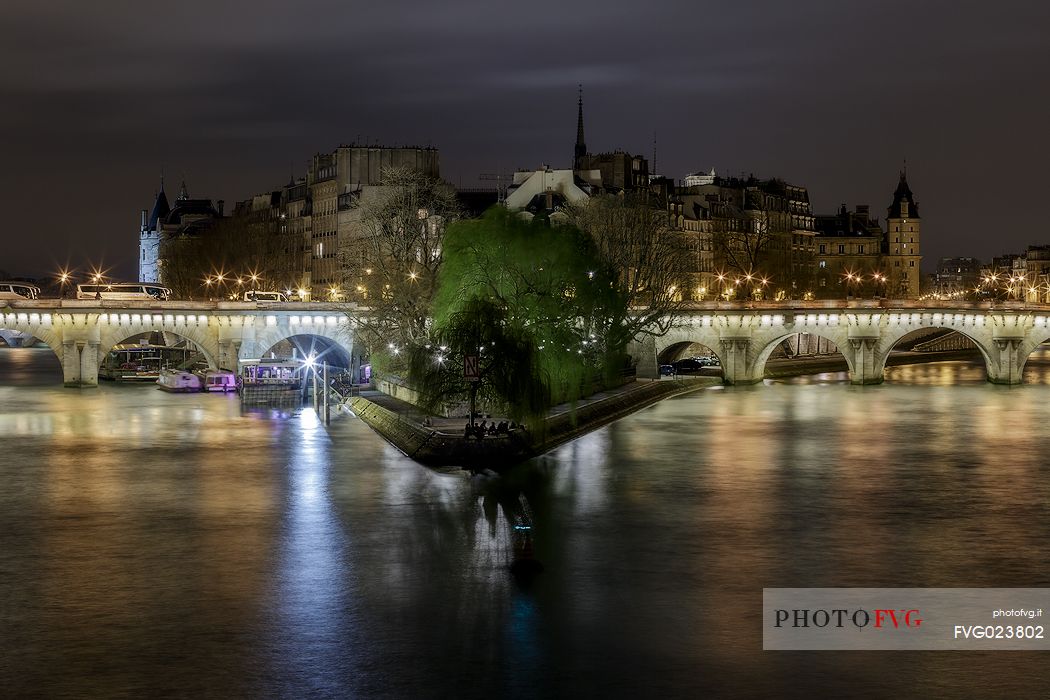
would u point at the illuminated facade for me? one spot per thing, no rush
(319, 208)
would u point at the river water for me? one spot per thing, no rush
(156, 545)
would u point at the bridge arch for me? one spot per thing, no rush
(766, 347)
(1035, 339)
(323, 350)
(35, 323)
(327, 334)
(112, 340)
(893, 336)
(116, 328)
(685, 349)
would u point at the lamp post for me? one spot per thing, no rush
(63, 280)
(880, 281)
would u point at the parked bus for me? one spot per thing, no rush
(18, 290)
(123, 290)
(255, 295)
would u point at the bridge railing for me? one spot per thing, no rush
(176, 305)
(861, 304)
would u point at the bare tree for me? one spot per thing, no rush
(391, 262)
(649, 258)
(253, 247)
(753, 245)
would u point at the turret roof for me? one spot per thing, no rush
(160, 209)
(902, 194)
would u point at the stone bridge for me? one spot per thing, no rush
(743, 336)
(81, 333)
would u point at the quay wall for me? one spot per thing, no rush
(438, 449)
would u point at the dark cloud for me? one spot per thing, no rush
(99, 96)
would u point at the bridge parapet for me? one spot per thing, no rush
(745, 335)
(82, 332)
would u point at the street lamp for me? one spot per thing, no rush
(880, 281)
(850, 277)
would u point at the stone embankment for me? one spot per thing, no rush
(439, 442)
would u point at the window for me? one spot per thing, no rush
(823, 263)
(842, 248)
(911, 263)
(897, 239)
(860, 249)
(823, 248)
(911, 240)
(897, 263)
(896, 228)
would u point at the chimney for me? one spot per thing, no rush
(219, 206)
(143, 224)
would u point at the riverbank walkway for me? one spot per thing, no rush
(455, 426)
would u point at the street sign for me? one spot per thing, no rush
(470, 368)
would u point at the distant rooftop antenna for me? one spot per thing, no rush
(654, 171)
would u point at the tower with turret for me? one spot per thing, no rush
(901, 250)
(149, 236)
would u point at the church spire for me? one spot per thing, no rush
(183, 194)
(581, 146)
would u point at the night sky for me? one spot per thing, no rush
(99, 96)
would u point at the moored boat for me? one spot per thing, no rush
(218, 380)
(177, 380)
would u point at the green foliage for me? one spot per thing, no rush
(533, 302)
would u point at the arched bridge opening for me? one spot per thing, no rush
(1036, 368)
(322, 350)
(689, 357)
(141, 357)
(26, 360)
(807, 355)
(935, 355)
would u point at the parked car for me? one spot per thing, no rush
(667, 370)
(689, 365)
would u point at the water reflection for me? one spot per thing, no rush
(156, 545)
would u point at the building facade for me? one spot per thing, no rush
(902, 249)
(751, 237)
(319, 209)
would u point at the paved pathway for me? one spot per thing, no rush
(454, 426)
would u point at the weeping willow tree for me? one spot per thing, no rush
(532, 304)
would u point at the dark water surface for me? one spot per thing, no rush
(156, 545)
